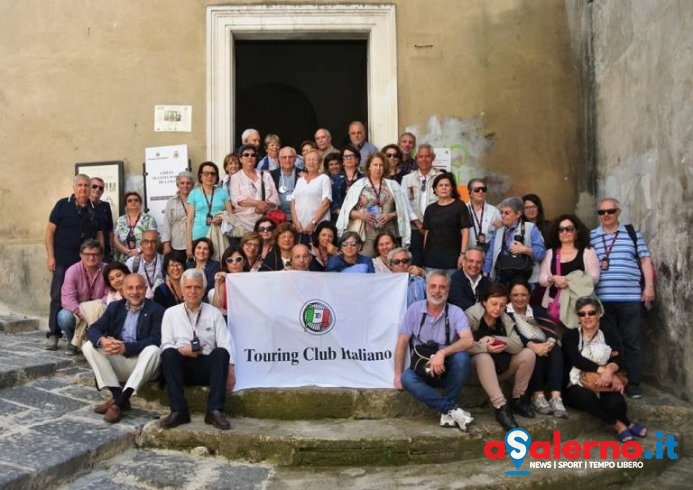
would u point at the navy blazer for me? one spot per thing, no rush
(461, 292)
(112, 321)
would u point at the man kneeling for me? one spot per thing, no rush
(124, 346)
(435, 323)
(195, 350)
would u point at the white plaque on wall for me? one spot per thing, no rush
(176, 118)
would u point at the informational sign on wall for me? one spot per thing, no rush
(443, 159)
(161, 166)
(175, 118)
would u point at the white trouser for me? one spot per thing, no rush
(111, 370)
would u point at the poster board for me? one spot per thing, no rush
(161, 166)
(112, 174)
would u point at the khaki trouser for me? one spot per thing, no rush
(134, 371)
(521, 366)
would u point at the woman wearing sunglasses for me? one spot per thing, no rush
(570, 268)
(485, 217)
(589, 350)
(253, 191)
(233, 261)
(265, 227)
(128, 229)
(349, 259)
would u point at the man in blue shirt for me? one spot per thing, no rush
(434, 322)
(619, 287)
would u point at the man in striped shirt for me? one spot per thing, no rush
(619, 287)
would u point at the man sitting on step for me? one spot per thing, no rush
(123, 346)
(196, 350)
(444, 329)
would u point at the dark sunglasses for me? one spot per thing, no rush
(234, 260)
(480, 189)
(265, 228)
(99, 187)
(586, 313)
(391, 155)
(248, 155)
(566, 229)
(602, 212)
(400, 261)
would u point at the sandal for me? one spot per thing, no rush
(638, 430)
(625, 436)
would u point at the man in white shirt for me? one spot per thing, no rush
(418, 188)
(196, 349)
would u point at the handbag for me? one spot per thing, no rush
(359, 226)
(588, 379)
(510, 266)
(422, 353)
(277, 216)
(554, 310)
(501, 361)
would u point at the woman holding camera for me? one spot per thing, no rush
(498, 355)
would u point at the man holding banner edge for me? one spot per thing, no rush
(434, 322)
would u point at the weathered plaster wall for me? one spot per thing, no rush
(643, 70)
(80, 79)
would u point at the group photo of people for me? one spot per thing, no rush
(497, 293)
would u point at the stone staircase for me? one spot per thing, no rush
(284, 439)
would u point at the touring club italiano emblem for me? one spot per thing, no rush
(317, 317)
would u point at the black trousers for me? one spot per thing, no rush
(609, 406)
(180, 371)
(56, 301)
(548, 371)
(416, 247)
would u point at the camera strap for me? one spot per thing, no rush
(190, 316)
(423, 320)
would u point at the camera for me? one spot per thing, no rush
(195, 344)
(519, 239)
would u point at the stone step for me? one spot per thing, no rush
(22, 359)
(346, 442)
(309, 403)
(49, 433)
(13, 323)
(678, 475)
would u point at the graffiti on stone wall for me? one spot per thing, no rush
(468, 145)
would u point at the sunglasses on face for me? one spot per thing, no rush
(566, 229)
(248, 155)
(391, 155)
(350, 244)
(480, 189)
(95, 187)
(263, 229)
(602, 212)
(586, 313)
(234, 260)
(400, 261)
(209, 174)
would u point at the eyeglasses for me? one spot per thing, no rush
(506, 212)
(209, 174)
(175, 265)
(530, 207)
(480, 189)
(95, 187)
(234, 260)
(147, 242)
(348, 157)
(602, 212)
(350, 244)
(263, 229)
(248, 155)
(566, 229)
(94, 255)
(391, 155)
(400, 261)
(586, 313)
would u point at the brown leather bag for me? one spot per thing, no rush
(589, 380)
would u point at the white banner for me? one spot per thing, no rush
(328, 329)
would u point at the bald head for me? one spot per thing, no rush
(300, 258)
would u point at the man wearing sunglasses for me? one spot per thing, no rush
(103, 214)
(399, 260)
(624, 261)
(418, 188)
(485, 217)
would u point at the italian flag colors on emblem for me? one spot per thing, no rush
(316, 317)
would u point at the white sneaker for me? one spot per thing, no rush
(460, 417)
(446, 420)
(558, 408)
(541, 405)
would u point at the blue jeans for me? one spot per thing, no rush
(66, 322)
(457, 370)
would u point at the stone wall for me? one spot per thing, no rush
(81, 78)
(643, 108)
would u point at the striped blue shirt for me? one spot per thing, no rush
(621, 281)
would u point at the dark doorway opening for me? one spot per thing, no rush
(292, 88)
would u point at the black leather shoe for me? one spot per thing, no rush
(217, 419)
(505, 417)
(522, 407)
(174, 419)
